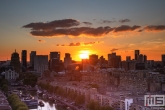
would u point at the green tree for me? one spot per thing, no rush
(80, 99)
(5, 88)
(3, 81)
(16, 103)
(93, 105)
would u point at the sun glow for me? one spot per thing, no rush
(84, 54)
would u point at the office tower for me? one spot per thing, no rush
(67, 60)
(24, 58)
(32, 55)
(141, 58)
(145, 58)
(114, 60)
(54, 55)
(137, 52)
(163, 59)
(102, 61)
(40, 63)
(93, 59)
(54, 61)
(110, 58)
(15, 62)
(128, 58)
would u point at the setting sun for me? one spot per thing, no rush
(84, 54)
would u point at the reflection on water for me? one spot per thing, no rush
(47, 105)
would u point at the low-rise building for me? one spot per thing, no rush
(10, 74)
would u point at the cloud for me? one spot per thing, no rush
(65, 23)
(72, 28)
(154, 28)
(41, 41)
(126, 28)
(95, 32)
(87, 23)
(82, 43)
(113, 50)
(107, 21)
(124, 20)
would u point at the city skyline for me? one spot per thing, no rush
(98, 27)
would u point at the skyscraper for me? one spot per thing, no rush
(137, 52)
(145, 58)
(93, 59)
(32, 55)
(163, 59)
(114, 60)
(15, 62)
(54, 55)
(41, 63)
(54, 61)
(141, 58)
(128, 58)
(67, 60)
(24, 58)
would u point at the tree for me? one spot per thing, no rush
(80, 99)
(5, 88)
(30, 79)
(3, 81)
(93, 105)
(16, 103)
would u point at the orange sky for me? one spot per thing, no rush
(73, 26)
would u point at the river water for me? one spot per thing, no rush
(47, 104)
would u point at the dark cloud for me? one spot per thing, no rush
(65, 23)
(126, 28)
(155, 28)
(140, 30)
(74, 31)
(71, 27)
(124, 20)
(87, 23)
(41, 41)
(75, 44)
(82, 43)
(113, 50)
(107, 21)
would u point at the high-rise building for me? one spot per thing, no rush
(137, 52)
(128, 58)
(102, 61)
(15, 62)
(110, 58)
(145, 58)
(93, 59)
(67, 60)
(24, 58)
(114, 60)
(141, 58)
(54, 61)
(41, 63)
(32, 55)
(54, 55)
(163, 59)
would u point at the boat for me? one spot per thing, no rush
(41, 104)
(31, 102)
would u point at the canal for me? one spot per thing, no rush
(47, 104)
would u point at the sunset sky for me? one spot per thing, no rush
(73, 26)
